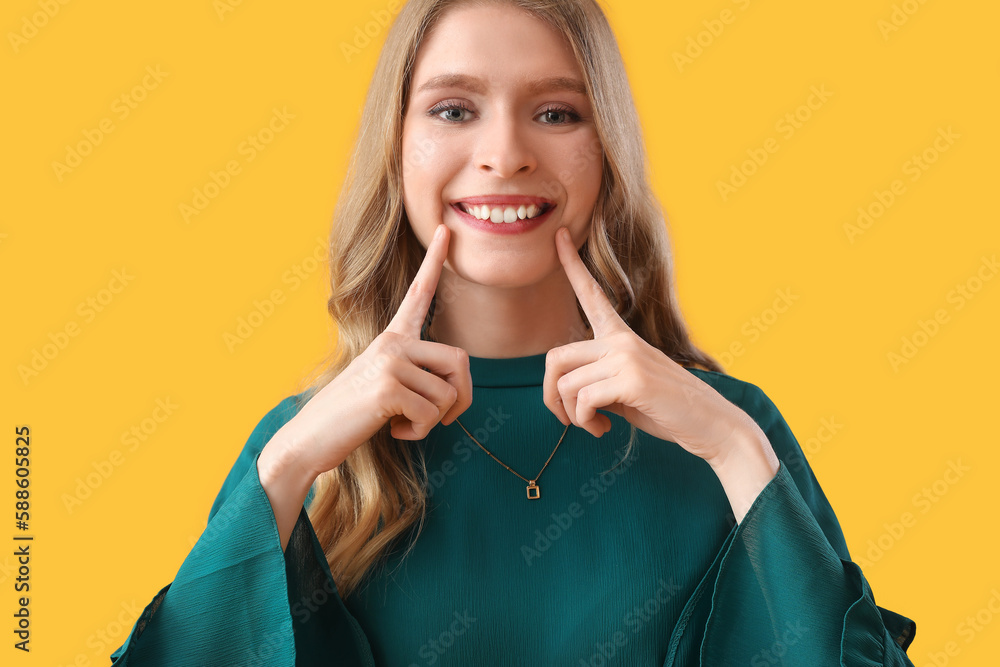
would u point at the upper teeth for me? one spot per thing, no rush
(500, 214)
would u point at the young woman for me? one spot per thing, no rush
(515, 455)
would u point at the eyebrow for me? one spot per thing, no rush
(476, 85)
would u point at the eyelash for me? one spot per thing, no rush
(447, 106)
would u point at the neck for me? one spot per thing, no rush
(506, 322)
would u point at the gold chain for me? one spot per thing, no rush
(534, 492)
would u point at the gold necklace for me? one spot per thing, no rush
(534, 492)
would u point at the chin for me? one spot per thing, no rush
(502, 275)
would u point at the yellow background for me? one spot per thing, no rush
(161, 336)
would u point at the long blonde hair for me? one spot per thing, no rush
(378, 493)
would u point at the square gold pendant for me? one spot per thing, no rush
(533, 491)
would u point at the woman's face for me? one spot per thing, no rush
(497, 109)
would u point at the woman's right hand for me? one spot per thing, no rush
(387, 382)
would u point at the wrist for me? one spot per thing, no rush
(285, 483)
(279, 460)
(745, 468)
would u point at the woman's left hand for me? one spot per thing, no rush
(619, 372)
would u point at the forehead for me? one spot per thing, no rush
(501, 44)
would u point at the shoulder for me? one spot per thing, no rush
(754, 401)
(274, 419)
(746, 395)
(751, 399)
(269, 424)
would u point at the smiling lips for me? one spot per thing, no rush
(504, 208)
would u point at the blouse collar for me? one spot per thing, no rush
(513, 372)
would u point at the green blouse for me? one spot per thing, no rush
(639, 563)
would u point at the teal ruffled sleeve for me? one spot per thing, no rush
(238, 599)
(783, 590)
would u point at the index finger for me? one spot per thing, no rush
(602, 315)
(409, 318)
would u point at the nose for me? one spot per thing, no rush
(504, 148)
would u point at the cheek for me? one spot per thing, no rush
(426, 153)
(417, 167)
(417, 154)
(581, 169)
(429, 163)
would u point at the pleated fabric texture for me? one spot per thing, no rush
(621, 561)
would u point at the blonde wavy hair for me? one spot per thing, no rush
(360, 508)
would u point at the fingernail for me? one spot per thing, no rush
(438, 232)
